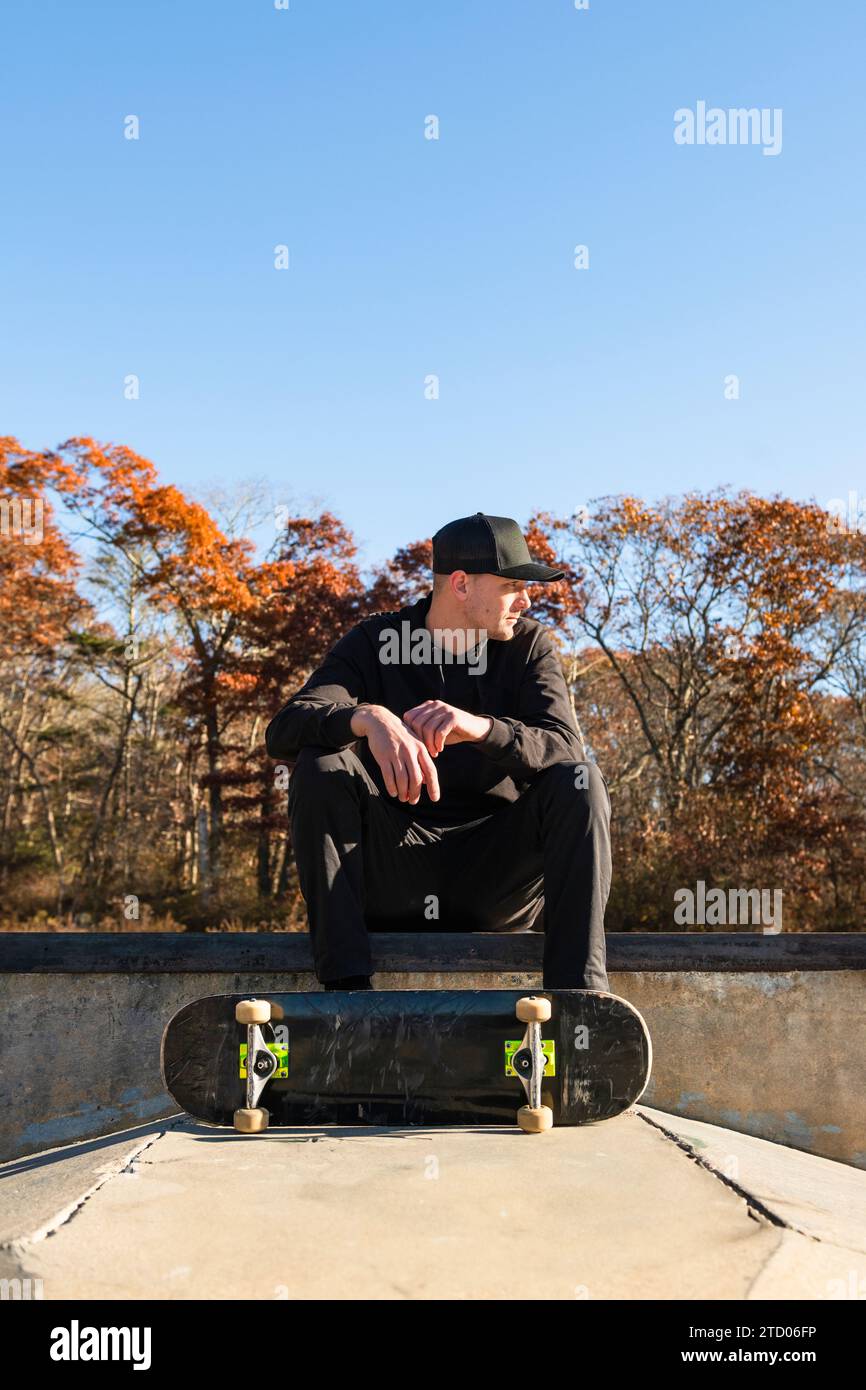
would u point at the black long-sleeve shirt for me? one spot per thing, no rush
(522, 689)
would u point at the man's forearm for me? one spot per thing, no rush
(308, 720)
(522, 749)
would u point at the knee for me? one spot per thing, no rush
(578, 786)
(314, 763)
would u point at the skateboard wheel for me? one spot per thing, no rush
(535, 1121)
(533, 1010)
(253, 1011)
(251, 1121)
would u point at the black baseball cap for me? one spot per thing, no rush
(482, 544)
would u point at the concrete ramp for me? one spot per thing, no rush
(645, 1206)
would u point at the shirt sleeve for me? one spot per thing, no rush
(321, 711)
(544, 730)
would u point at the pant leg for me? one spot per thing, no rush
(552, 846)
(362, 860)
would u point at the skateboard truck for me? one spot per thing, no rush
(261, 1065)
(529, 1062)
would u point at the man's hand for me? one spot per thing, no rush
(438, 724)
(406, 765)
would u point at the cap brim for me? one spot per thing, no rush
(540, 573)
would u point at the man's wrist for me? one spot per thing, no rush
(488, 723)
(360, 722)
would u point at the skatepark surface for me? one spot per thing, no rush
(648, 1205)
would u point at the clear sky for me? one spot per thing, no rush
(454, 257)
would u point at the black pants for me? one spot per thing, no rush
(364, 863)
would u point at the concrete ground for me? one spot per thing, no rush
(648, 1205)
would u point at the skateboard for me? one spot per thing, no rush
(407, 1057)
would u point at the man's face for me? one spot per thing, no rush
(495, 604)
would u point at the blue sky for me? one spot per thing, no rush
(452, 257)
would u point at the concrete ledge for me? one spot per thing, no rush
(457, 953)
(776, 1056)
(760, 1034)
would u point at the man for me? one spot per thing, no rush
(440, 778)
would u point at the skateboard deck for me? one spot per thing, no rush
(407, 1057)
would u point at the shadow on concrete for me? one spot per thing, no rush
(31, 1163)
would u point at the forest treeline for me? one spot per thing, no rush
(714, 646)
